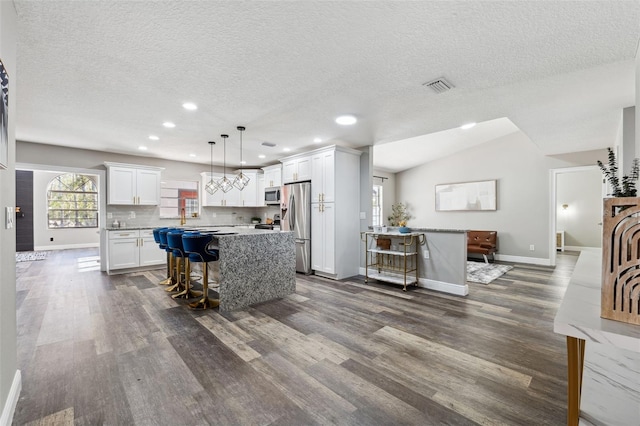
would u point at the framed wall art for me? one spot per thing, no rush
(463, 196)
(4, 117)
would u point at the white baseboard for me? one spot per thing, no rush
(450, 288)
(580, 248)
(66, 246)
(12, 400)
(523, 259)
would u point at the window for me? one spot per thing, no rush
(178, 195)
(376, 215)
(72, 202)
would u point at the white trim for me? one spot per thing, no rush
(12, 400)
(66, 246)
(523, 259)
(580, 248)
(444, 287)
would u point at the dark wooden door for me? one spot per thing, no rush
(24, 217)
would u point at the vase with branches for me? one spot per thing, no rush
(399, 215)
(625, 187)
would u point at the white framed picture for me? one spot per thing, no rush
(4, 117)
(464, 196)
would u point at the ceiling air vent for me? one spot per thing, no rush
(269, 144)
(439, 85)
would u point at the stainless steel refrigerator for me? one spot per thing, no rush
(295, 207)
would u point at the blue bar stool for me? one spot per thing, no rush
(171, 278)
(156, 237)
(174, 242)
(196, 246)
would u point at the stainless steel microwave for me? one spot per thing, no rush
(272, 195)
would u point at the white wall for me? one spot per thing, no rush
(62, 238)
(522, 172)
(581, 191)
(9, 375)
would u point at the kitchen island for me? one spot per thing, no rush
(255, 265)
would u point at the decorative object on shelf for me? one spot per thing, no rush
(620, 297)
(255, 220)
(212, 186)
(383, 243)
(403, 227)
(398, 214)
(621, 260)
(225, 183)
(625, 187)
(241, 180)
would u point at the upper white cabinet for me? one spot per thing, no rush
(250, 196)
(219, 198)
(296, 168)
(272, 176)
(323, 177)
(130, 184)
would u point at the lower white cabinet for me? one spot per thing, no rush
(323, 229)
(132, 249)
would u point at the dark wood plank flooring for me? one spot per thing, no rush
(117, 350)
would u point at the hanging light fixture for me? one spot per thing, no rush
(212, 186)
(225, 184)
(241, 180)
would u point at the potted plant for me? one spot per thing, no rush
(620, 256)
(399, 217)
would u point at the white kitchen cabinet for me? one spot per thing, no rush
(296, 169)
(250, 196)
(132, 249)
(219, 198)
(323, 176)
(335, 212)
(272, 176)
(133, 185)
(260, 202)
(323, 218)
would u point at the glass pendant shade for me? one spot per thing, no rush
(212, 186)
(241, 180)
(224, 183)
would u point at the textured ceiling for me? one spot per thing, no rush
(105, 74)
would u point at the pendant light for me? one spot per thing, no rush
(225, 184)
(241, 180)
(212, 186)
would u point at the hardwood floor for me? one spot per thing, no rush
(117, 350)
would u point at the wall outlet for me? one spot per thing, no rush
(425, 254)
(213, 215)
(51, 239)
(363, 215)
(132, 215)
(532, 247)
(9, 215)
(109, 215)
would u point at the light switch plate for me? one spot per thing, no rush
(9, 215)
(363, 215)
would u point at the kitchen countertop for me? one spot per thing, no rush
(138, 227)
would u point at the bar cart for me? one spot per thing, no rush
(392, 256)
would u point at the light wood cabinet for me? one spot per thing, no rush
(133, 185)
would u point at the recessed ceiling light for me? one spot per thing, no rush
(192, 155)
(286, 149)
(317, 140)
(262, 156)
(142, 148)
(168, 125)
(467, 126)
(154, 138)
(346, 120)
(190, 106)
(243, 162)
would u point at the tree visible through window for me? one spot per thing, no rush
(72, 202)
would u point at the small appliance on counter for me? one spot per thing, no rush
(270, 223)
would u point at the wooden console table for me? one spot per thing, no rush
(603, 356)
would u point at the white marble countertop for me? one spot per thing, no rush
(579, 313)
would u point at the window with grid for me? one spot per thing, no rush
(72, 202)
(376, 214)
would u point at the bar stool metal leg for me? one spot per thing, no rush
(187, 293)
(205, 302)
(179, 285)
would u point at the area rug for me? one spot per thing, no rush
(484, 273)
(30, 256)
